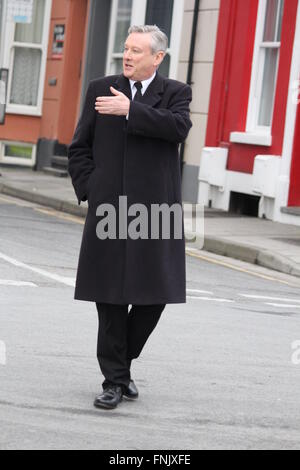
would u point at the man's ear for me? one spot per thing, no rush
(160, 57)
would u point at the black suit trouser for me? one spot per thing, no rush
(122, 336)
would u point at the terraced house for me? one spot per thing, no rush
(240, 56)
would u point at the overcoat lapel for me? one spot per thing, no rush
(122, 84)
(153, 94)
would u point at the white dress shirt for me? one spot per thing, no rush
(145, 84)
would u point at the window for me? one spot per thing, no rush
(1, 30)
(18, 153)
(1, 9)
(25, 54)
(123, 21)
(161, 14)
(265, 66)
(128, 12)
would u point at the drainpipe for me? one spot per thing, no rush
(190, 66)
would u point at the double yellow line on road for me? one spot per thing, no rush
(240, 269)
(191, 253)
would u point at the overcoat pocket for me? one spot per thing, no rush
(90, 182)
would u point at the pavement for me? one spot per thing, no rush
(265, 243)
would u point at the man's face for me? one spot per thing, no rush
(138, 61)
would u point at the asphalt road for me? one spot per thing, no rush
(217, 373)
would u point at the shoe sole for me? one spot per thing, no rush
(106, 407)
(130, 398)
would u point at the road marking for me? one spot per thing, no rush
(209, 299)
(6, 282)
(16, 201)
(282, 305)
(235, 268)
(60, 215)
(189, 251)
(2, 353)
(264, 297)
(55, 277)
(207, 292)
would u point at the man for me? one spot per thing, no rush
(125, 147)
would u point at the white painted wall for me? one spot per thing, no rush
(202, 70)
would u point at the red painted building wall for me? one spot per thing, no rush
(294, 196)
(60, 102)
(232, 76)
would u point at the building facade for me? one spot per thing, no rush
(43, 59)
(241, 58)
(251, 159)
(51, 60)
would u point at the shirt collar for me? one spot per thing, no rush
(145, 83)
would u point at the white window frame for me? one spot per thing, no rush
(2, 25)
(8, 60)
(256, 134)
(16, 160)
(139, 8)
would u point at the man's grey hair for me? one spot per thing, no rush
(159, 38)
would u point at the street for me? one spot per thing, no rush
(217, 373)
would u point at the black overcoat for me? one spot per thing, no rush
(111, 156)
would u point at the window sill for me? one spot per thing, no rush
(11, 161)
(251, 138)
(24, 111)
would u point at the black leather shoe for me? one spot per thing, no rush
(131, 392)
(109, 398)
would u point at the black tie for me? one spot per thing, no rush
(138, 95)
